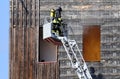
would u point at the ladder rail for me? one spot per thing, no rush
(82, 65)
(72, 50)
(67, 52)
(85, 65)
(71, 60)
(82, 68)
(74, 53)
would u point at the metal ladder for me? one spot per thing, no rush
(73, 53)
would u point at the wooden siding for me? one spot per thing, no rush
(48, 70)
(24, 42)
(23, 57)
(22, 53)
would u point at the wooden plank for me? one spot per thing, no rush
(35, 54)
(24, 52)
(48, 70)
(28, 40)
(21, 54)
(17, 13)
(10, 54)
(23, 17)
(18, 51)
(14, 52)
(30, 53)
(12, 42)
(37, 14)
(30, 13)
(33, 9)
(10, 45)
(23, 43)
(20, 15)
(25, 14)
(13, 12)
(17, 40)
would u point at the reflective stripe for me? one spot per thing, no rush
(57, 32)
(52, 14)
(59, 19)
(55, 21)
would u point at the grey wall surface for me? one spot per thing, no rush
(78, 13)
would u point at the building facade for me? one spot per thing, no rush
(26, 44)
(27, 17)
(80, 13)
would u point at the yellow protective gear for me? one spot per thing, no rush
(57, 32)
(55, 21)
(52, 13)
(59, 19)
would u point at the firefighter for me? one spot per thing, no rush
(59, 20)
(52, 14)
(56, 27)
(58, 13)
(56, 20)
(92, 72)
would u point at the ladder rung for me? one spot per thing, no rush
(79, 64)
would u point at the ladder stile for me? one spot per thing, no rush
(72, 51)
(62, 40)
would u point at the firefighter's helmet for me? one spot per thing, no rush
(52, 10)
(59, 8)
